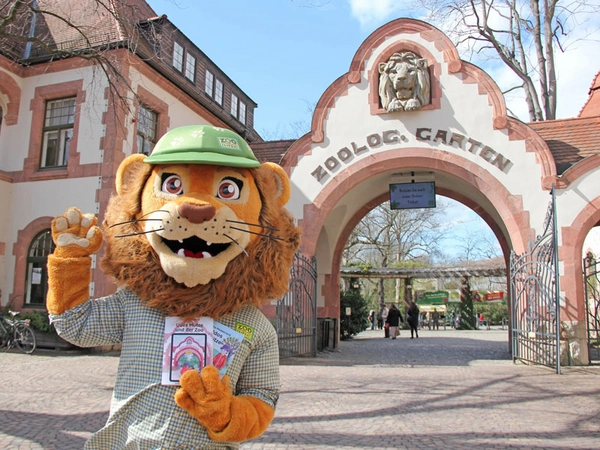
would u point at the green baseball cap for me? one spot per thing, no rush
(202, 144)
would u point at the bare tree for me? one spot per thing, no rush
(293, 130)
(476, 246)
(523, 34)
(386, 237)
(34, 31)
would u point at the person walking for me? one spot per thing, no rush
(412, 317)
(372, 319)
(435, 319)
(394, 318)
(384, 314)
(379, 320)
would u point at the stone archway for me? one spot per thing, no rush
(503, 213)
(494, 164)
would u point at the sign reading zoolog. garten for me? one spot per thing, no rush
(379, 141)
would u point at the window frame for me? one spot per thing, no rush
(234, 105)
(63, 132)
(209, 83)
(213, 87)
(143, 138)
(178, 56)
(45, 238)
(190, 73)
(219, 88)
(238, 108)
(242, 112)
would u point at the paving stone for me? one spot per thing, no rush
(448, 389)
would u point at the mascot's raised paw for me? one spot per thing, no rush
(76, 237)
(76, 234)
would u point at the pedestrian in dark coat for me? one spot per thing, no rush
(412, 317)
(394, 318)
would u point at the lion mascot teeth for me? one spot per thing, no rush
(197, 237)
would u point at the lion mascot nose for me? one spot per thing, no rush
(196, 213)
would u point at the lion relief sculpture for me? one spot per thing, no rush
(404, 83)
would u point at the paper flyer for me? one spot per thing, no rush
(187, 346)
(226, 343)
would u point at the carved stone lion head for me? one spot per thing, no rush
(404, 83)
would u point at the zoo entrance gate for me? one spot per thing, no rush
(297, 310)
(534, 290)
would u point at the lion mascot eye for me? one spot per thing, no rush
(172, 184)
(229, 189)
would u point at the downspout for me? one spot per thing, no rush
(28, 45)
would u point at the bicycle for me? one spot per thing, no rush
(16, 333)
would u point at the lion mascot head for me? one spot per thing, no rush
(199, 227)
(404, 83)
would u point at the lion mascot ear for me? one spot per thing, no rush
(129, 170)
(275, 182)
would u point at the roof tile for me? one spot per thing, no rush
(570, 140)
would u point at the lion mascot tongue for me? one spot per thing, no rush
(196, 238)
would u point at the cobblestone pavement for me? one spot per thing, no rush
(448, 390)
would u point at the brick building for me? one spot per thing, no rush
(68, 120)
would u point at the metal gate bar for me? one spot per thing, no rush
(535, 302)
(592, 307)
(297, 311)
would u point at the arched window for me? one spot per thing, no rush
(36, 283)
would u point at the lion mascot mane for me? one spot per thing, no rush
(196, 231)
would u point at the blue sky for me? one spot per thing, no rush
(282, 53)
(285, 53)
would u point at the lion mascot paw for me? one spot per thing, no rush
(197, 239)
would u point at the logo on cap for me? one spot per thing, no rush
(228, 143)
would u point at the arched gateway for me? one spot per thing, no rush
(409, 107)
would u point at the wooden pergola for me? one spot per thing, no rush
(424, 272)
(462, 272)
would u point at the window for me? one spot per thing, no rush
(36, 286)
(178, 56)
(58, 132)
(219, 92)
(213, 87)
(190, 67)
(146, 130)
(209, 83)
(234, 105)
(242, 113)
(238, 109)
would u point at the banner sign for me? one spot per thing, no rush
(434, 298)
(494, 296)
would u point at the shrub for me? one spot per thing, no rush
(494, 312)
(39, 321)
(357, 321)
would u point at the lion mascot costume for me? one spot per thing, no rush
(196, 234)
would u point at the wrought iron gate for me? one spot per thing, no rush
(535, 319)
(297, 311)
(592, 306)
